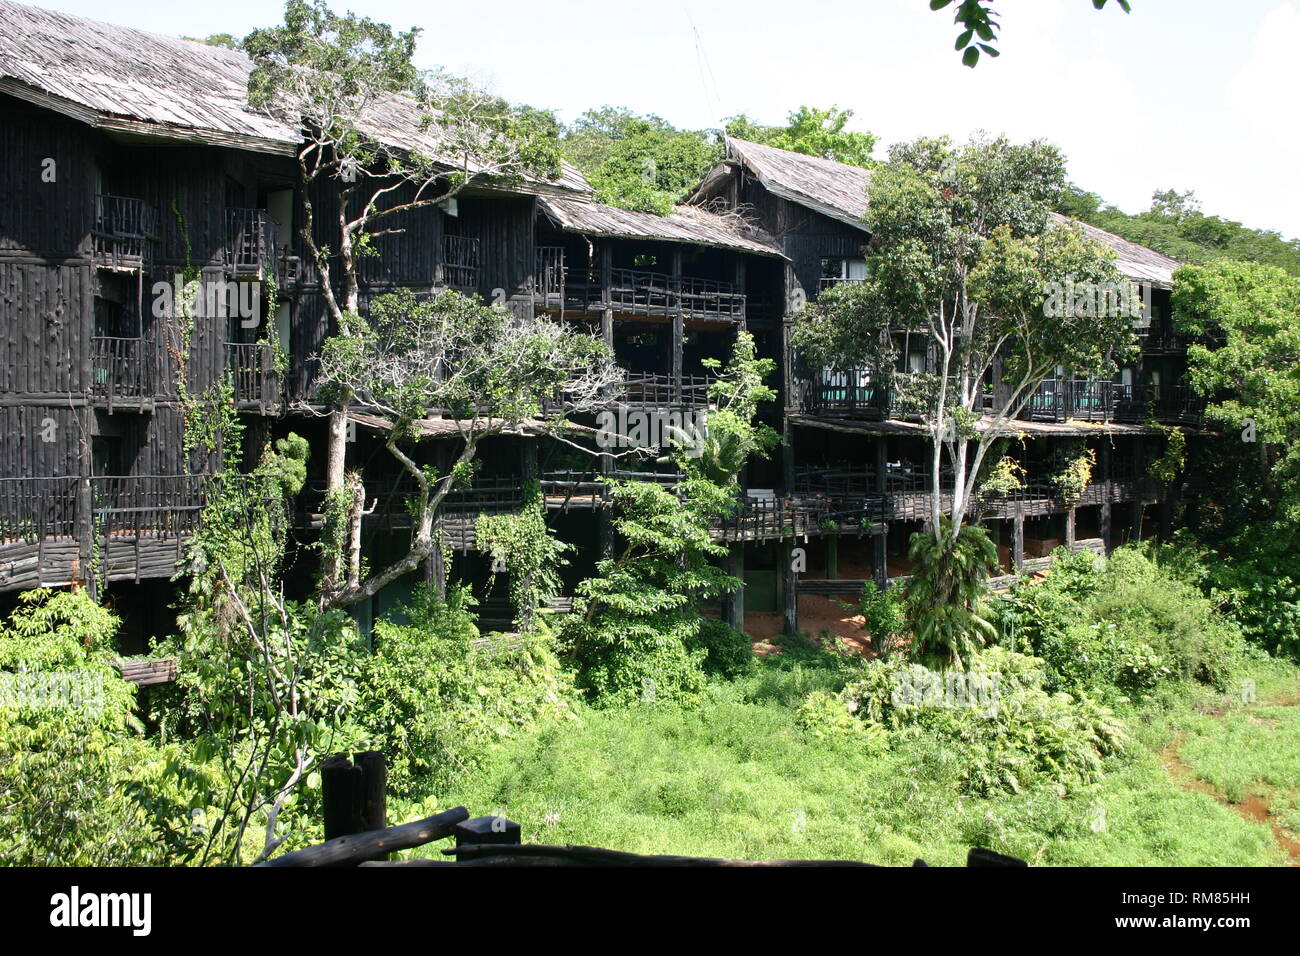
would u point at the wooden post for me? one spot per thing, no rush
(880, 542)
(337, 793)
(353, 798)
(1069, 528)
(733, 604)
(1139, 507)
(740, 287)
(833, 557)
(1106, 533)
(790, 595)
(1018, 537)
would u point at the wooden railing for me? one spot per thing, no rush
(1105, 401)
(459, 265)
(124, 232)
(846, 393)
(659, 391)
(120, 368)
(251, 372)
(33, 509)
(147, 504)
(251, 251)
(548, 272)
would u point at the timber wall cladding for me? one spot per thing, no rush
(44, 219)
(44, 313)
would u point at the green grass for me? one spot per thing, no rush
(736, 777)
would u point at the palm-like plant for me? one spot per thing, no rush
(947, 593)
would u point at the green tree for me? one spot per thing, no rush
(813, 132)
(962, 254)
(635, 162)
(491, 370)
(637, 631)
(333, 77)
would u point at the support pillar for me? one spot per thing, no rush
(1018, 537)
(733, 604)
(790, 592)
(1069, 528)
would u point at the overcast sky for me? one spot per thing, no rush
(1179, 94)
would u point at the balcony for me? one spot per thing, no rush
(155, 505)
(36, 509)
(124, 233)
(250, 370)
(458, 267)
(549, 275)
(1060, 400)
(847, 393)
(251, 251)
(633, 291)
(121, 370)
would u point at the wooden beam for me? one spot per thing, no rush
(360, 847)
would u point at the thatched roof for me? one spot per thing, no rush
(128, 81)
(1135, 261)
(834, 189)
(689, 224)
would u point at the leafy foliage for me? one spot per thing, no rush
(437, 701)
(1017, 737)
(979, 23)
(946, 597)
(813, 132)
(72, 752)
(636, 162)
(1123, 627)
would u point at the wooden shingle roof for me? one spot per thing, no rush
(689, 224)
(1135, 261)
(124, 80)
(834, 189)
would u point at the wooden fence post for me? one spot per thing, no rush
(353, 794)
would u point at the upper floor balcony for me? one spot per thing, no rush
(121, 370)
(633, 291)
(251, 250)
(250, 371)
(1090, 400)
(124, 233)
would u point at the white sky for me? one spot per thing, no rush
(1179, 94)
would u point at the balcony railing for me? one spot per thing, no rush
(250, 370)
(548, 273)
(251, 251)
(1104, 401)
(33, 509)
(847, 393)
(120, 369)
(637, 291)
(147, 504)
(458, 268)
(659, 391)
(124, 232)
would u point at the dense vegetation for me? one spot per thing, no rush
(1057, 722)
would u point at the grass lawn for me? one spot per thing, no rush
(737, 777)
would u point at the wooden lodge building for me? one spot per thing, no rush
(130, 159)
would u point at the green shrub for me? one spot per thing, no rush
(1011, 734)
(727, 652)
(437, 703)
(71, 750)
(1122, 627)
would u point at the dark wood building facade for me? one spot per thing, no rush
(133, 170)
